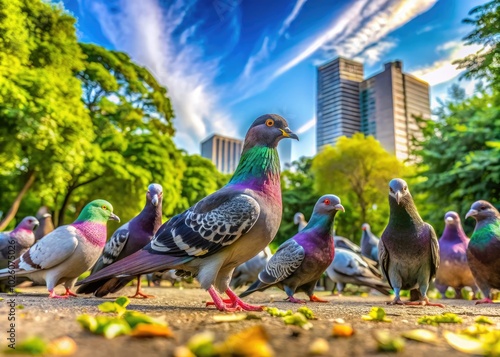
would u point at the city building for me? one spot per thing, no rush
(337, 100)
(224, 152)
(388, 103)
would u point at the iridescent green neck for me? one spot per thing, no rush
(321, 223)
(257, 165)
(485, 231)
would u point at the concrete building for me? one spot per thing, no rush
(386, 105)
(337, 110)
(224, 152)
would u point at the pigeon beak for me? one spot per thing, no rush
(471, 213)
(287, 133)
(35, 227)
(339, 207)
(46, 215)
(398, 196)
(114, 217)
(155, 200)
(449, 220)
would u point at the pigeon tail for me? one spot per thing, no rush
(141, 262)
(256, 286)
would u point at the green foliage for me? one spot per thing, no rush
(298, 196)
(461, 155)
(485, 64)
(358, 170)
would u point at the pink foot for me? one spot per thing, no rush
(140, 294)
(484, 301)
(211, 303)
(69, 293)
(238, 303)
(424, 302)
(396, 301)
(296, 301)
(314, 298)
(53, 295)
(219, 303)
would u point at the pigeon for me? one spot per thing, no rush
(68, 251)
(300, 220)
(249, 271)
(408, 249)
(454, 270)
(484, 248)
(46, 226)
(16, 242)
(126, 240)
(369, 243)
(300, 262)
(349, 268)
(224, 229)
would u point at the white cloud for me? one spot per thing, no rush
(373, 54)
(145, 31)
(443, 70)
(260, 56)
(290, 18)
(311, 123)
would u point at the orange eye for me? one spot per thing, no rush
(104, 207)
(269, 122)
(327, 201)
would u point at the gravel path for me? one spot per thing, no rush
(185, 312)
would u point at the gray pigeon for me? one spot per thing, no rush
(249, 271)
(16, 242)
(224, 229)
(68, 251)
(349, 268)
(454, 270)
(408, 249)
(46, 225)
(369, 243)
(300, 220)
(300, 262)
(484, 248)
(126, 240)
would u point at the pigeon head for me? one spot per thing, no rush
(298, 217)
(155, 194)
(398, 189)
(268, 130)
(328, 205)
(98, 211)
(452, 218)
(365, 227)
(481, 210)
(29, 223)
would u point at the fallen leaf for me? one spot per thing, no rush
(183, 351)
(444, 318)
(319, 347)
(31, 345)
(342, 330)
(202, 344)
(388, 343)
(230, 317)
(274, 311)
(304, 310)
(62, 346)
(464, 343)
(247, 343)
(376, 314)
(298, 319)
(134, 318)
(421, 335)
(147, 330)
(483, 320)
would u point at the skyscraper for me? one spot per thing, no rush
(224, 152)
(385, 107)
(337, 109)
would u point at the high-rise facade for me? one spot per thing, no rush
(224, 152)
(337, 111)
(388, 104)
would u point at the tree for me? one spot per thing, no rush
(298, 195)
(358, 170)
(132, 120)
(461, 154)
(485, 64)
(44, 128)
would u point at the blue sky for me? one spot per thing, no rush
(225, 62)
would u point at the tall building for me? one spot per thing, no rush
(337, 111)
(224, 152)
(385, 108)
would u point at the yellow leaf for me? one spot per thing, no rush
(421, 335)
(148, 330)
(247, 343)
(342, 330)
(63, 346)
(464, 343)
(230, 317)
(319, 347)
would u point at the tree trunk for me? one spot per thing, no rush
(71, 189)
(17, 202)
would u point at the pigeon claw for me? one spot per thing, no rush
(295, 301)
(314, 298)
(140, 294)
(211, 303)
(53, 295)
(69, 293)
(396, 301)
(424, 302)
(484, 301)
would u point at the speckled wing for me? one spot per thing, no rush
(50, 251)
(283, 263)
(213, 223)
(434, 251)
(4, 240)
(115, 245)
(383, 258)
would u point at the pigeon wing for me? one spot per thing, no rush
(283, 263)
(434, 251)
(383, 258)
(50, 251)
(213, 223)
(115, 245)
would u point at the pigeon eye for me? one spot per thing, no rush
(269, 122)
(390, 188)
(104, 207)
(327, 202)
(405, 188)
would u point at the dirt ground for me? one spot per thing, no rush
(185, 311)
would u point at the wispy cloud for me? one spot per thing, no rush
(443, 70)
(311, 123)
(290, 18)
(145, 30)
(374, 53)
